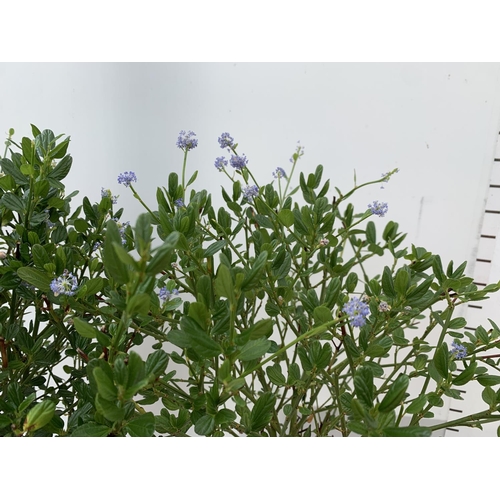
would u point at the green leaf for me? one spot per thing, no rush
(234, 385)
(135, 368)
(9, 168)
(7, 183)
(263, 328)
(12, 202)
(457, 323)
(482, 335)
(34, 277)
(285, 216)
(321, 357)
(466, 376)
(89, 210)
(40, 255)
(179, 339)
(401, 281)
(252, 277)
(106, 387)
(379, 347)
(304, 359)
(437, 268)
(224, 286)
(84, 329)
(272, 309)
(139, 304)
(417, 405)
(60, 150)
(124, 256)
(34, 130)
(156, 363)
(407, 432)
(363, 385)
(91, 429)
(192, 178)
(395, 394)
(199, 312)
(81, 225)
(388, 283)
(275, 375)
(142, 426)
(199, 339)
(62, 169)
(143, 232)
(27, 148)
(162, 255)
(214, 248)
(120, 372)
(44, 142)
(225, 416)
(173, 182)
(254, 349)
(489, 396)
(262, 412)
(113, 265)
(322, 314)
(488, 380)
(40, 415)
(4, 421)
(351, 282)
(371, 234)
(109, 409)
(93, 285)
(441, 360)
(351, 347)
(204, 425)
(435, 400)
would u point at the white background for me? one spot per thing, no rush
(436, 122)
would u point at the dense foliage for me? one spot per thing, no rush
(262, 317)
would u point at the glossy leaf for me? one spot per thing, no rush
(84, 329)
(91, 429)
(407, 432)
(40, 415)
(34, 277)
(254, 349)
(363, 385)
(142, 426)
(395, 394)
(262, 412)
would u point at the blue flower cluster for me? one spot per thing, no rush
(126, 178)
(165, 294)
(357, 311)
(106, 193)
(179, 203)
(238, 162)
(250, 192)
(66, 284)
(186, 140)
(220, 163)
(226, 141)
(122, 226)
(378, 208)
(279, 173)
(458, 351)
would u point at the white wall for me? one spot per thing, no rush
(437, 123)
